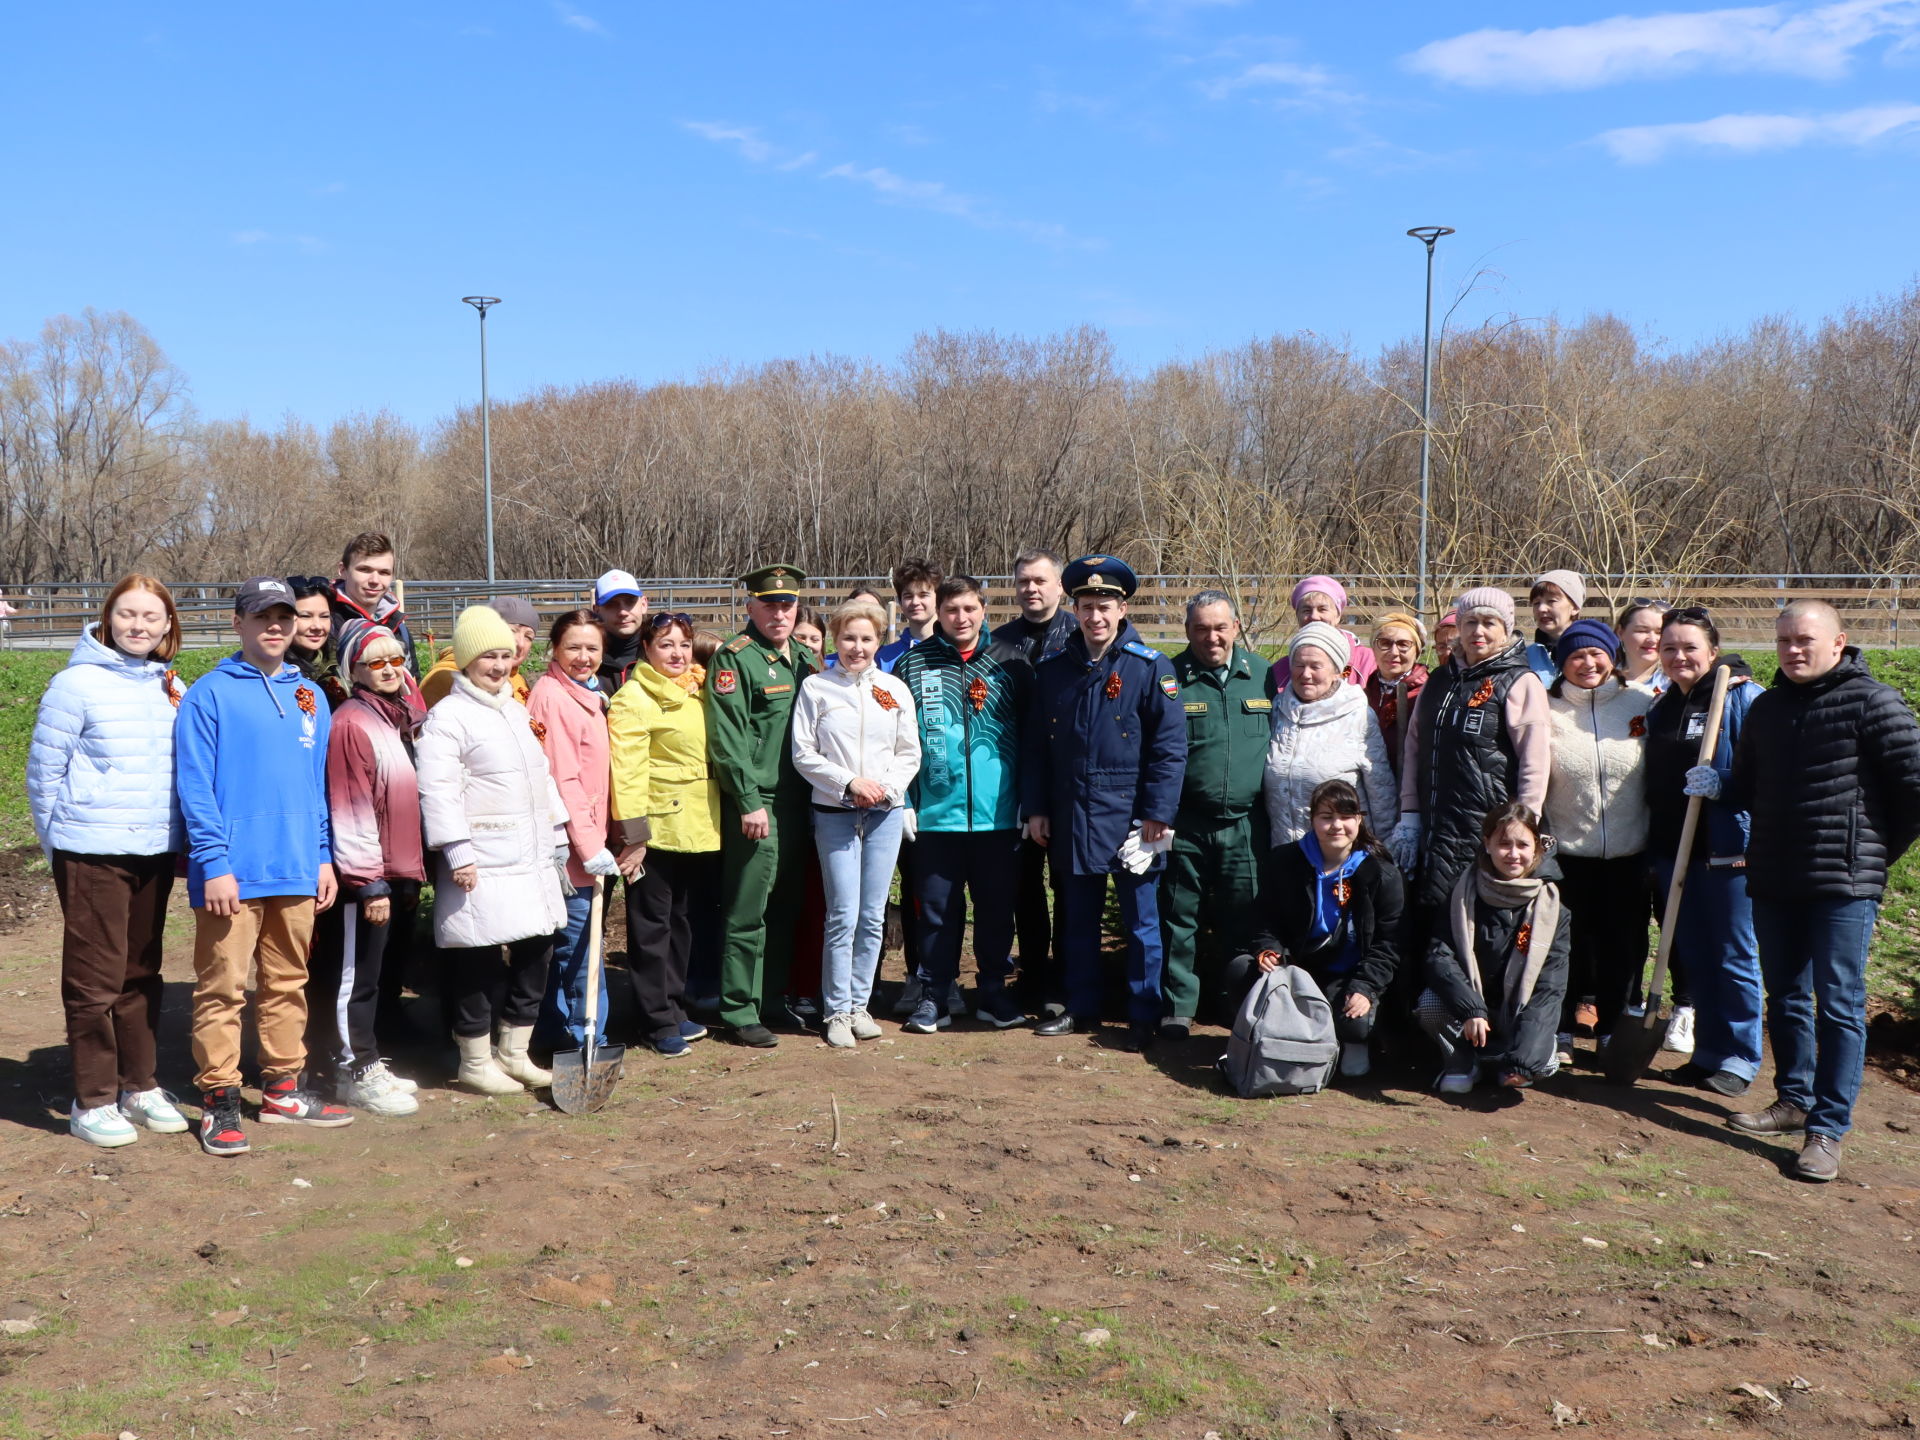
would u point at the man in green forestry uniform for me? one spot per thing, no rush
(1220, 834)
(765, 826)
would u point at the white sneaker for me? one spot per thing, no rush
(1680, 1032)
(1456, 1083)
(376, 1093)
(400, 1082)
(956, 1002)
(840, 1031)
(864, 1026)
(1355, 1060)
(103, 1125)
(153, 1110)
(909, 1000)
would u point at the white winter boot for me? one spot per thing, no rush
(510, 1054)
(477, 1070)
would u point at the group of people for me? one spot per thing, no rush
(1461, 853)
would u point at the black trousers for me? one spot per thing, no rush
(491, 987)
(1037, 918)
(1609, 904)
(344, 980)
(660, 933)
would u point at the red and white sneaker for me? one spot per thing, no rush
(220, 1129)
(283, 1102)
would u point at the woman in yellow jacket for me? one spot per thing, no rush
(667, 811)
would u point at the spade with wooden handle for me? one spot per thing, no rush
(583, 1079)
(1640, 1031)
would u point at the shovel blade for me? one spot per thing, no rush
(1636, 1039)
(581, 1086)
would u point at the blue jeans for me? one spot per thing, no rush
(1082, 898)
(1813, 954)
(1715, 934)
(563, 1011)
(857, 853)
(949, 866)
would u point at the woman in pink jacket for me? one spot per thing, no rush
(569, 714)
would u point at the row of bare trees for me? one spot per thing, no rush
(1787, 448)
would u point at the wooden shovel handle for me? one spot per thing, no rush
(595, 916)
(1709, 742)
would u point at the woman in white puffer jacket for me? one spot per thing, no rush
(1323, 729)
(496, 819)
(100, 785)
(1596, 809)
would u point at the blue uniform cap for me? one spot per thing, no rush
(1099, 575)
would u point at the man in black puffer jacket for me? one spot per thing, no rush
(1829, 767)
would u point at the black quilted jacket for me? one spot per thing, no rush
(1830, 771)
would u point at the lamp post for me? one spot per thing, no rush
(1426, 235)
(480, 303)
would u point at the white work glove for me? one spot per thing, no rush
(1404, 842)
(1702, 780)
(1137, 854)
(560, 854)
(602, 864)
(909, 825)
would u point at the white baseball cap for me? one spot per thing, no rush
(616, 582)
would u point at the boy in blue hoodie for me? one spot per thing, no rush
(251, 748)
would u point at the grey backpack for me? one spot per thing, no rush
(1283, 1041)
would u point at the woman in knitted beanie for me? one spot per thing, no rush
(499, 827)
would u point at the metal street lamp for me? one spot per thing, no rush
(1426, 235)
(480, 303)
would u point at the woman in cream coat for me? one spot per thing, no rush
(666, 811)
(494, 816)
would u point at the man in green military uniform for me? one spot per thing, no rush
(765, 826)
(1220, 833)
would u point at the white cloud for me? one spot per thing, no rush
(577, 20)
(1750, 134)
(305, 244)
(1283, 73)
(891, 187)
(1769, 39)
(743, 138)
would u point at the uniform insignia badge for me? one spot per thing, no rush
(1113, 686)
(725, 682)
(1171, 686)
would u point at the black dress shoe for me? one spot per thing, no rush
(1067, 1025)
(1725, 1082)
(1140, 1037)
(758, 1036)
(1175, 1029)
(1688, 1074)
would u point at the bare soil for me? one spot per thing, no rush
(1015, 1237)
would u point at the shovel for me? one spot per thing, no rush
(1641, 1030)
(583, 1079)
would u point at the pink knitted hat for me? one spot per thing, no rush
(1487, 597)
(1322, 585)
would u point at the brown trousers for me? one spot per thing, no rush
(275, 932)
(116, 915)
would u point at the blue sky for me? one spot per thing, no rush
(294, 198)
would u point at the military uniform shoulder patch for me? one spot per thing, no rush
(1171, 686)
(1145, 652)
(725, 682)
(737, 644)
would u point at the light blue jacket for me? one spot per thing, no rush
(100, 770)
(252, 775)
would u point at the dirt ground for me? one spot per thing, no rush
(1016, 1237)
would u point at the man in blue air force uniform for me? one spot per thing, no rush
(1105, 750)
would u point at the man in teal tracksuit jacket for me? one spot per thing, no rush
(969, 695)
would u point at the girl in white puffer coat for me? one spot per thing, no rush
(496, 819)
(101, 787)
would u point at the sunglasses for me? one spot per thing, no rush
(660, 619)
(1688, 615)
(1643, 602)
(392, 662)
(309, 582)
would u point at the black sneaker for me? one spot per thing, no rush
(757, 1036)
(220, 1131)
(998, 1009)
(283, 1102)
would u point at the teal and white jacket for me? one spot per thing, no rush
(970, 713)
